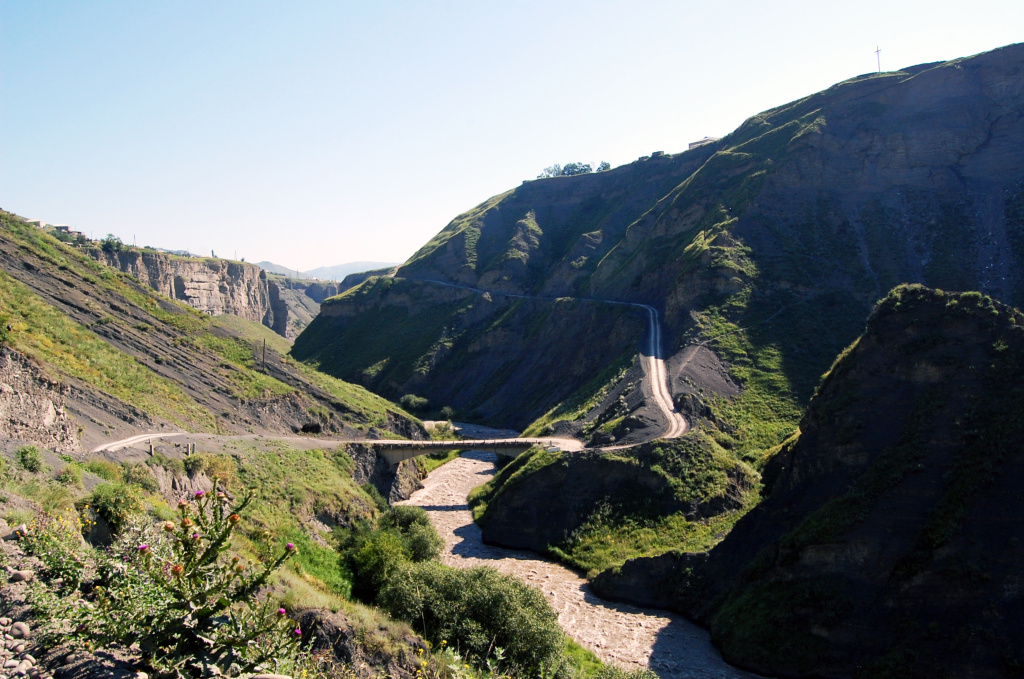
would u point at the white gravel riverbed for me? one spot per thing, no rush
(624, 635)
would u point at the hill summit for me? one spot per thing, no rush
(763, 252)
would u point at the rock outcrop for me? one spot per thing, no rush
(295, 303)
(216, 286)
(32, 406)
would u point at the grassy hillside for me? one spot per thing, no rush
(101, 331)
(768, 247)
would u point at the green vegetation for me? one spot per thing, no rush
(516, 471)
(51, 338)
(177, 593)
(28, 458)
(118, 307)
(639, 519)
(944, 456)
(583, 399)
(116, 503)
(476, 610)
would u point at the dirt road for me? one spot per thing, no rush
(624, 635)
(653, 361)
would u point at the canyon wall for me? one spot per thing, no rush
(222, 286)
(216, 286)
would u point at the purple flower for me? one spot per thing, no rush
(143, 549)
(195, 536)
(289, 547)
(199, 494)
(281, 612)
(298, 632)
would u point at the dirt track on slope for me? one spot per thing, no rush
(623, 635)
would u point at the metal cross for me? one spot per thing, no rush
(878, 54)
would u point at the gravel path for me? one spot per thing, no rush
(627, 636)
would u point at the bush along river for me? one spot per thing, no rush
(623, 635)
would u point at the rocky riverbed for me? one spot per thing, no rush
(624, 635)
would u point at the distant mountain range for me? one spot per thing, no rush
(325, 273)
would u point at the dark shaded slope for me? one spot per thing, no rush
(889, 543)
(769, 247)
(459, 347)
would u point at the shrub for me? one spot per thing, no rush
(476, 610)
(193, 464)
(222, 467)
(375, 495)
(379, 555)
(422, 542)
(413, 402)
(57, 542)
(29, 459)
(71, 475)
(139, 475)
(116, 503)
(404, 534)
(174, 466)
(190, 606)
(104, 469)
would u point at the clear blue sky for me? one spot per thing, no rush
(316, 133)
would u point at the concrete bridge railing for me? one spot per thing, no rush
(397, 451)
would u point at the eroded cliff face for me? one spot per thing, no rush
(295, 303)
(32, 407)
(216, 286)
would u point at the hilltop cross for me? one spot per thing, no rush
(878, 54)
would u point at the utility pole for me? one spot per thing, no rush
(878, 55)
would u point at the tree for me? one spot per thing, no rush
(553, 171)
(567, 170)
(111, 243)
(604, 166)
(572, 169)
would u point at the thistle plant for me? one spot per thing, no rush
(57, 542)
(191, 606)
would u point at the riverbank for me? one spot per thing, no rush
(623, 635)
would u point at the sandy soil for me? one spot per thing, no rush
(624, 635)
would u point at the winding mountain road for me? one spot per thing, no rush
(653, 362)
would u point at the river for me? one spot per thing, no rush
(623, 635)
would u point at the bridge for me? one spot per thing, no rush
(397, 451)
(393, 451)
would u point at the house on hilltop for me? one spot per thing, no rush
(703, 142)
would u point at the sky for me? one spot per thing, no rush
(317, 133)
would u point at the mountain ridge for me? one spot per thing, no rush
(767, 248)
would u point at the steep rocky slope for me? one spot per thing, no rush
(216, 286)
(222, 286)
(122, 358)
(889, 541)
(296, 302)
(767, 249)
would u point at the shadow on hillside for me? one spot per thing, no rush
(445, 508)
(683, 650)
